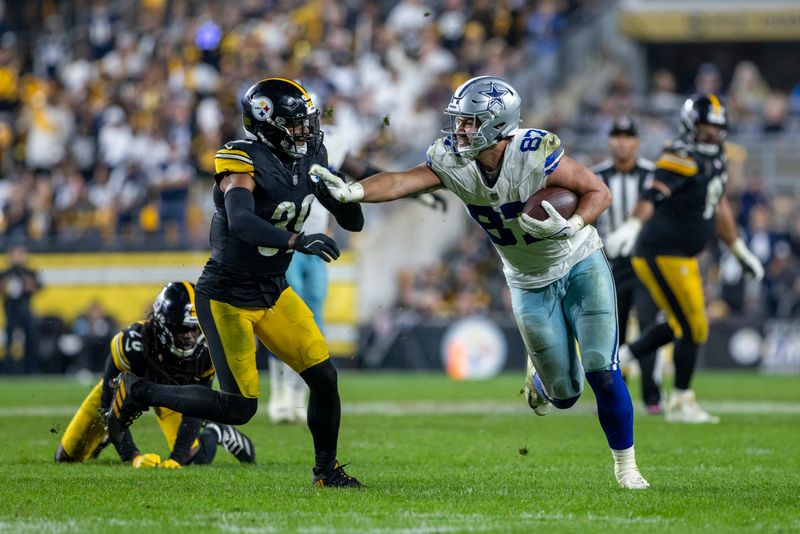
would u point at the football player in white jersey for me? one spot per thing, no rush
(561, 285)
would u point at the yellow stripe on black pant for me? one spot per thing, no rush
(287, 329)
(675, 284)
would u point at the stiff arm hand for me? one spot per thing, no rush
(339, 190)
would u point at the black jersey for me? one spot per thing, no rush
(153, 363)
(239, 273)
(625, 187)
(683, 223)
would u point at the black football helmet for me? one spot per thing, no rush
(175, 320)
(703, 109)
(280, 114)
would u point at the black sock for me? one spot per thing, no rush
(197, 401)
(685, 357)
(651, 339)
(208, 448)
(324, 413)
(651, 393)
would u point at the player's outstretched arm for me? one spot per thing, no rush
(359, 169)
(348, 216)
(381, 187)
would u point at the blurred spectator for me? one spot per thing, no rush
(747, 96)
(776, 113)
(664, 101)
(18, 284)
(544, 29)
(752, 196)
(136, 98)
(770, 247)
(9, 73)
(49, 122)
(708, 79)
(95, 327)
(172, 185)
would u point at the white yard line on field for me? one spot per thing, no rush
(411, 408)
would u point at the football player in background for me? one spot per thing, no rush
(672, 222)
(262, 195)
(168, 348)
(626, 175)
(561, 285)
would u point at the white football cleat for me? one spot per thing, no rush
(632, 479)
(298, 394)
(538, 404)
(683, 408)
(280, 413)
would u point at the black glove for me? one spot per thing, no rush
(317, 245)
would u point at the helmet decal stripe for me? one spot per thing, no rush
(299, 87)
(190, 291)
(715, 103)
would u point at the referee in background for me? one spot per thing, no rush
(626, 175)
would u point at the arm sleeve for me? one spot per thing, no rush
(349, 216)
(109, 374)
(187, 433)
(126, 448)
(246, 225)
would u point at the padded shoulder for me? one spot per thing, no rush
(677, 158)
(235, 158)
(126, 348)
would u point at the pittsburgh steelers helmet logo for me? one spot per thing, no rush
(262, 108)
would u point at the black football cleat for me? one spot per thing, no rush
(234, 441)
(335, 478)
(123, 409)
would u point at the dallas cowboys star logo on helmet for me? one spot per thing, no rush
(495, 96)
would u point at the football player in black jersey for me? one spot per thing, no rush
(262, 195)
(168, 348)
(672, 222)
(626, 175)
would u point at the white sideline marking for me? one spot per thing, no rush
(419, 523)
(411, 408)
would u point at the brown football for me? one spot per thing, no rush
(563, 200)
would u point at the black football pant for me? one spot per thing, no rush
(631, 293)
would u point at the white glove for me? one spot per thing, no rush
(620, 242)
(339, 190)
(749, 262)
(554, 227)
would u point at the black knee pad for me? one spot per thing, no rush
(238, 409)
(321, 377)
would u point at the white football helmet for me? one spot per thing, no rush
(494, 106)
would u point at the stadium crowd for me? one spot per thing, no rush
(111, 112)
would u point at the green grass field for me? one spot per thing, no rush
(437, 455)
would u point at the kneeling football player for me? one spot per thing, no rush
(168, 348)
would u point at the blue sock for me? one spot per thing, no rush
(614, 407)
